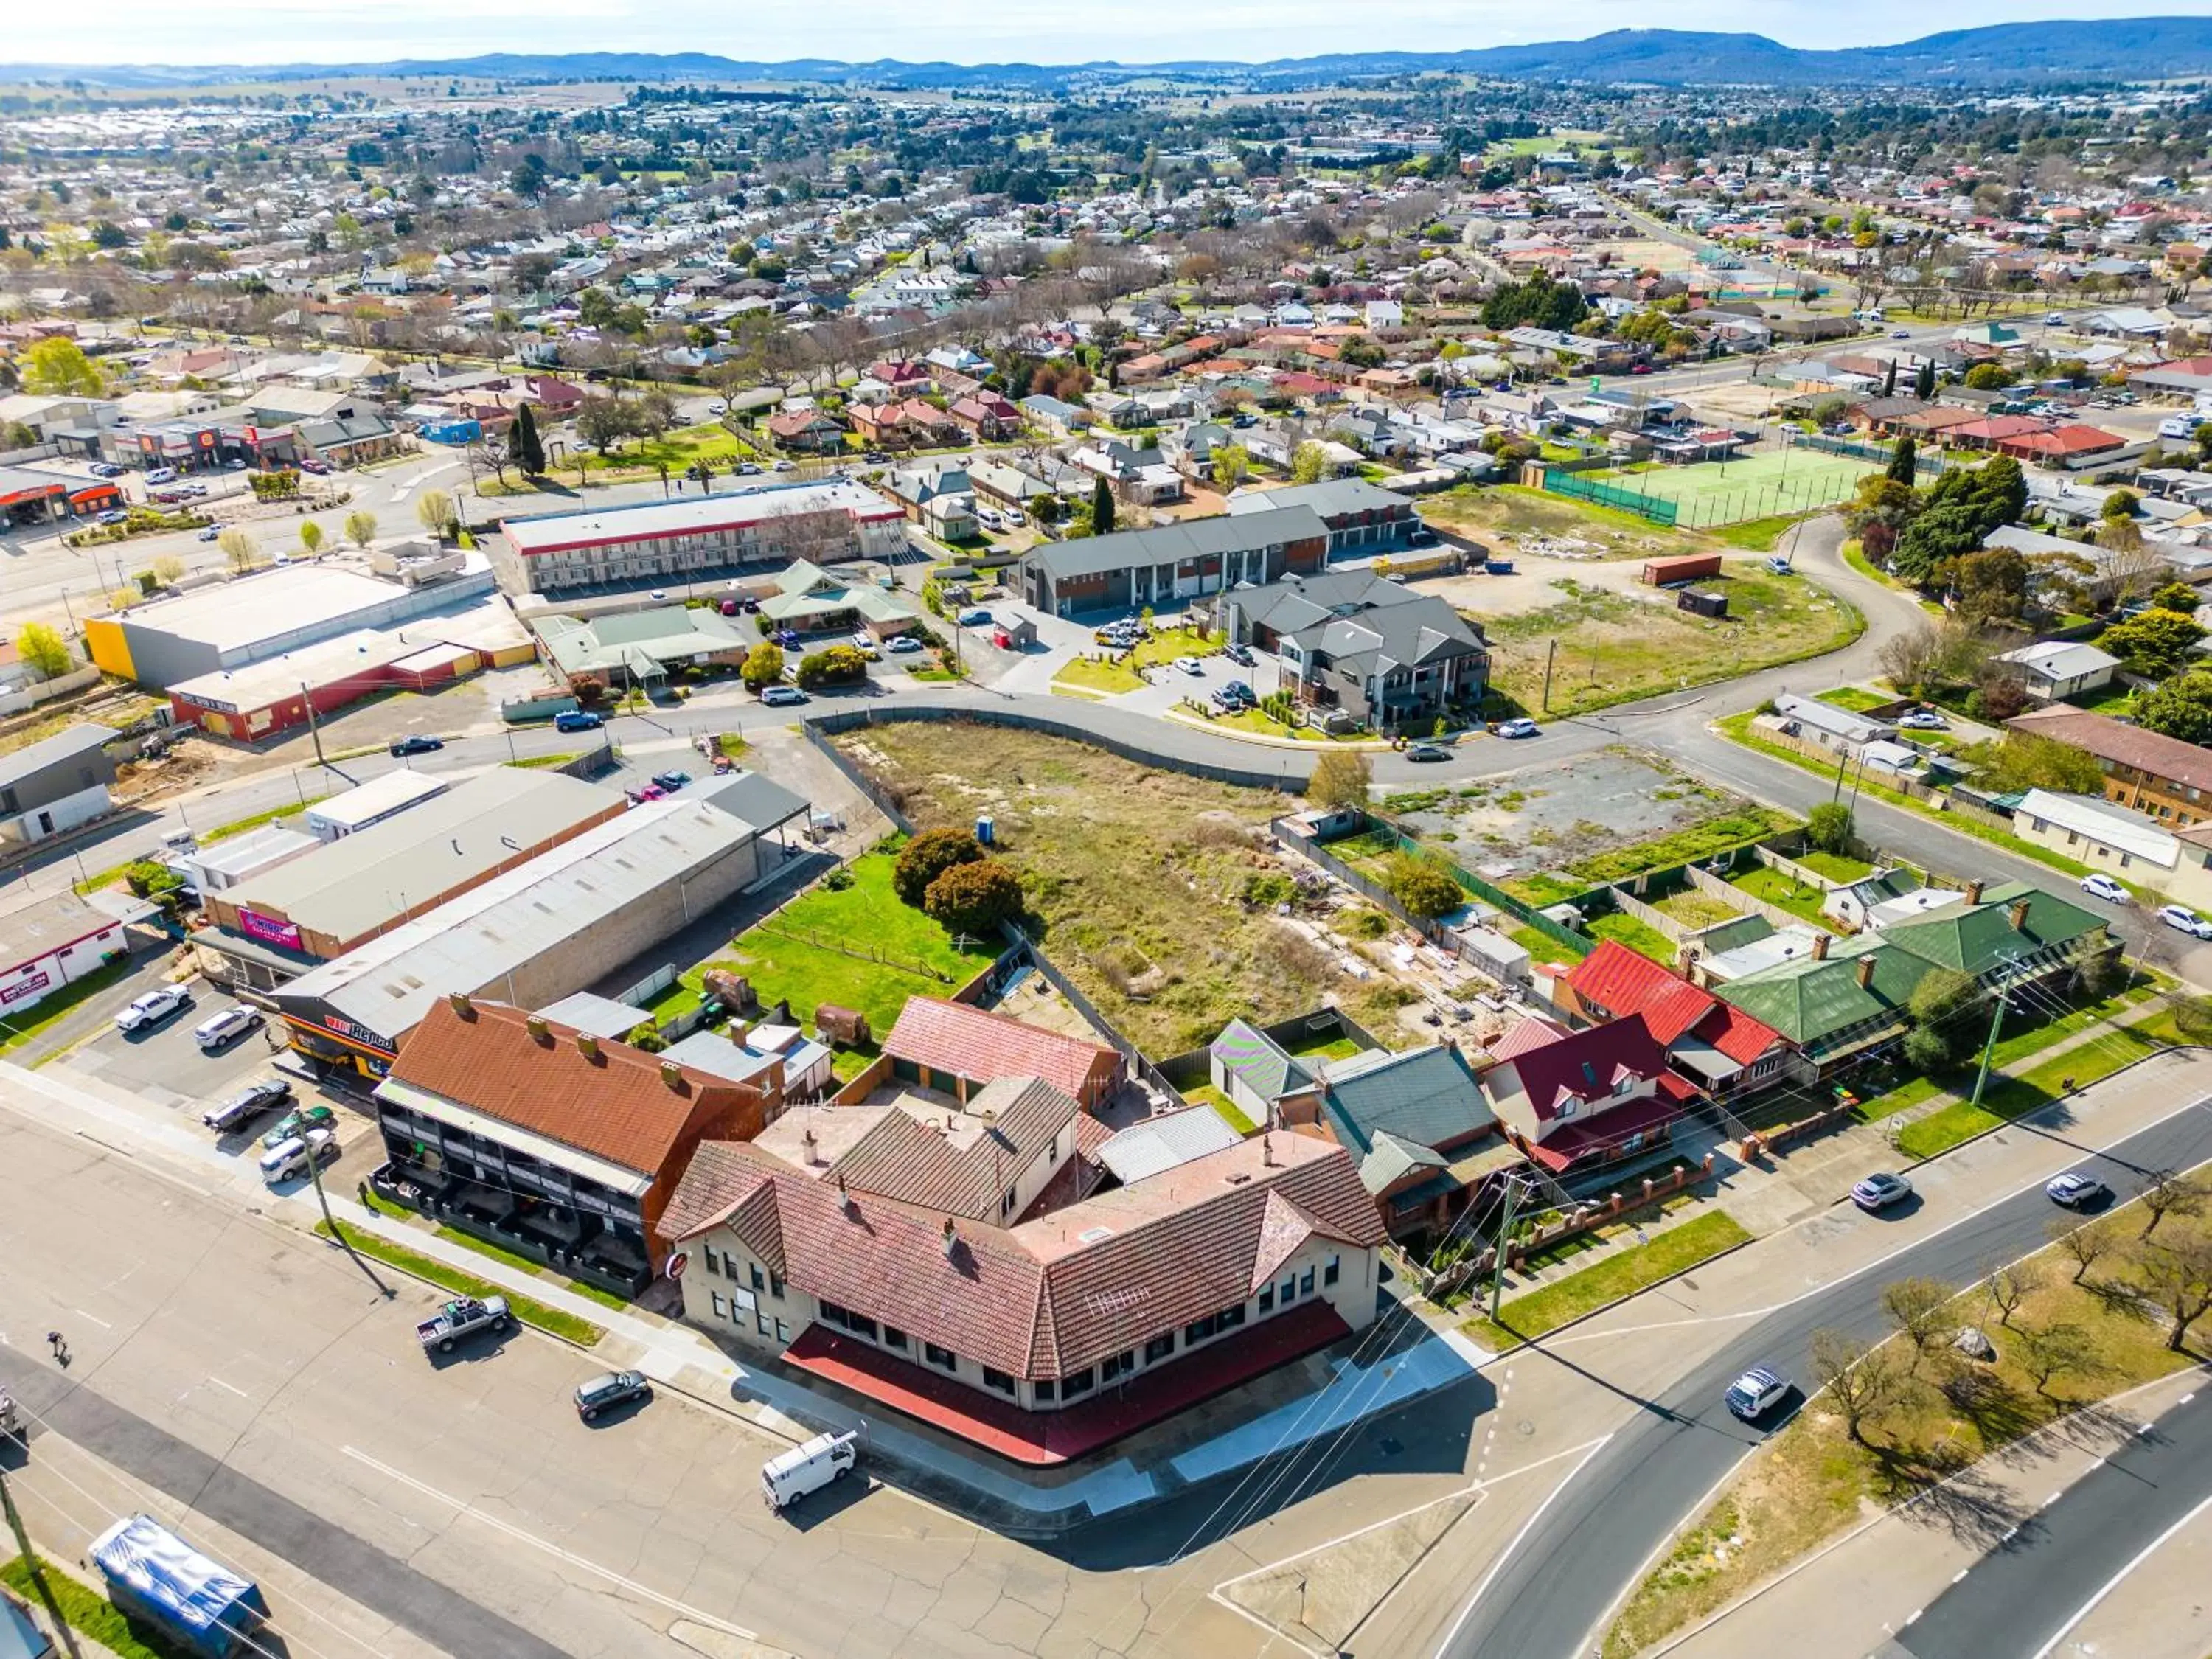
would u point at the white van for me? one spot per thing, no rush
(789, 1476)
(2179, 426)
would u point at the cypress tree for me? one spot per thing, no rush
(1102, 508)
(529, 449)
(1904, 461)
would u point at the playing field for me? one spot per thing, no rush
(1757, 486)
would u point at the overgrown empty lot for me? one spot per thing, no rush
(1138, 876)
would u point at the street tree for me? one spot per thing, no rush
(2177, 1276)
(1861, 1381)
(360, 527)
(435, 512)
(763, 665)
(1921, 1310)
(2046, 1351)
(238, 548)
(2010, 1286)
(42, 646)
(1341, 778)
(2085, 1245)
(57, 366)
(311, 535)
(168, 569)
(2169, 1193)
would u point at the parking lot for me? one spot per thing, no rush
(163, 1064)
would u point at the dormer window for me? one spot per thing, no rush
(1567, 1106)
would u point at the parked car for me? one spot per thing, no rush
(220, 1031)
(865, 643)
(904, 646)
(1241, 691)
(1924, 720)
(297, 1156)
(672, 781)
(248, 1103)
(1756, 1392)
(303, 1122)
(789, 1476)
(1522, 728)
(748, 468)
(151, 1007)
(786, 637)
(877, 456)
(577, 719)
(2184, 920)
(783, 697)
(212, 533)
(113, 515)
(1427, 751)
(1240, 655)
(465, 1316)
(1016, 518)
(2104, 887)
(974, 617)
(1190, 666)
(608, 1390)
(2074, 1190)
(644, 792)
(990, 519)
(787, 466)
(415, 743)
(161, 475)
(1881, 1190)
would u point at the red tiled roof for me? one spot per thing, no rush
(619, 1105)
(1563, 1148)
(1586, 1064)
(903, 1157)
(973, 1043)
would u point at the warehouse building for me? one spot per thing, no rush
(1174, 562)
(56, 784)
(280, 924)
(381, 797)
(707, 536)
(543, 930)
(47, 945)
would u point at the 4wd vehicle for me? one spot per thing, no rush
(1756, 1392)
(153, 1007)
(465, 1316)
(248, 1103)
(298, 1156)
(2074, 1189)
(220, 1030)
(1881, 1190)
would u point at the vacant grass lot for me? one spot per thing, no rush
(1524, 1318)
(1812, 1479)
(1484, 512)
(1090, 674)
(1697, 843)
(1639, 936)
(859, 948)
(1614, 646)
(1137, 877)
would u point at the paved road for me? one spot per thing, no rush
(2022, 1596)
(1552, 1594)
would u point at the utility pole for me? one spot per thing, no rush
(1990, 1047)
(315, 1175)
(314, 730)
(1505, 1239)
(1550, 652)
(37, 1571)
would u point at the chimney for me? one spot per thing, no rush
(1819, 947)
(672, 1073)
(1974, 891)
(2018, 917)
(1865, 970)
(539, 1031)
(1267, 1152)
(812, 1156)
(951, 1238)
(461, 1005)
(845, 1199)
(587, 1045)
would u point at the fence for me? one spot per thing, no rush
(1520, 909)
(1558, 481)
(1450, 1279)
(16, 703)
(1195, 1065)
(1139, 1065)
(853, 775)
(591, 764)
(1881, 454)
(1939, 799)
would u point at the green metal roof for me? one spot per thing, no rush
(1979, 939)
(1809, 1000)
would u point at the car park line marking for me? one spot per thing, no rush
(462, 1507)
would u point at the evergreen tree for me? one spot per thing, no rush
(1889, 380)
(1903, 460)
(529, 449)
(1102, 508)
(1924, 383)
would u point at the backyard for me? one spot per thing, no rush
(1137, 877)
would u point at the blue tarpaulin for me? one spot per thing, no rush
(155, 1575)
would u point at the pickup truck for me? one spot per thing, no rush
(463, 1316)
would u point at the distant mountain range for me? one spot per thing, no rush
(2005, 54)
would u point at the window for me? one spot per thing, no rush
(1076, 1383)
(721, 1308)
(1565, 1108)
(944, 1357)
(1267, 1299)
(760, 1278)
(782, 1332)
(760, 1321)
(1007, 1203)
(1160, 1349)
(707, 1256)
(775, 1287)
(861, 1324)
(1230, 1318)
(1044, 1388)
(1197, 1330)
(832, 1314)
(1117, 1364)
(1332, 1270)
(998, 1380)
(1287, 1291)
(894, 1338)
(1305, 1282)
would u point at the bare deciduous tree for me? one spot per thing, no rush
(2048, 1350)
(2010, 1286)
(2168, 1191)
(2086, 1245)
(2179, 1277)
(1921, 1310)
(1860, 1379)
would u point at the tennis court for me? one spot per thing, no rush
(1759, 485)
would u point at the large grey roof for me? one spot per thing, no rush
(1332, 498)
(35, 757)
(1191, 538)
(1351, 614)
(1426, 1096)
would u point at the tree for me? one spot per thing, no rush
(311, 534)
(834, 665)
(603, 423)
(1921, 1309)
(1231, 463)
(2168, 1191)
(238, 550)
(1990, 377)
(2024, 761)
(2178, 1278)
(2010, 1286)
(435, 512)
(1909, 660)
(1341, 778)
(929, 856)
(2154, 642)
(1992, 585)
(2087, 1245)
(1362, 351)
(1539, 302)
(1861, 1381)
(2178, 706)
(1923, 382)
(1102, 507)
(57, 367)
(1309, 462)
(763, 665)
(2178, 597)
(2045, 1351)
(524, 443)
(975, 897)
(168, 569)
(1422, 886)
(1903, 462)
(655, 413)
(2123, 504)
(43, 648)
(1829, 827)
(360, 527)
(1938, 1005)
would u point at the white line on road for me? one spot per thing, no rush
(96, 1319)
(1498, 1566)
(2118, 1579)
(551, 1548)
(220, 1383)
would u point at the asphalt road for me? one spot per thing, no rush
(2024, 1593)
(1551, 1595)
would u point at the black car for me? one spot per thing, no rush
(416, 744)
(1239, 654)
(610, 1388)
(1427, 751)
(248, 1103)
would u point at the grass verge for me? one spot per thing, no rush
(87, 1612)
(225, 831)
(52, 1009)
(2008, 1099)
(552, 1320)
(532, 763)
(1526, 1317)
(1089, 674)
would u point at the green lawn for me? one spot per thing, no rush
(1835, 866)
(1342, 1047)
(1523, 1318)
(49, 1010)
(1857, 698)
(1777, 889)
(1205, 1094)
(1762, 485)
(1165, 645)
(795, 954)
(1691, 846)
(1759, 535)
(1089, 674)
(88, 1611)
(1542, 947)
(1639, 936)
(2007, 1098)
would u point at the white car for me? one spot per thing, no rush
(152, 1008)
(1517, 728)
(1189, 665)
(904, 645)
(1016, 516)
(2181, 918)
(865, 643)
(290, 1157)
(217, 1029)
(2104, 887)
(1924, 720)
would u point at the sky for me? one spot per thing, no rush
(964, 31)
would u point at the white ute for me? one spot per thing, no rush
(789, 1476)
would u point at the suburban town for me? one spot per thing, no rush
(1397, 854)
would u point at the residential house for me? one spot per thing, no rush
(1829, 725)
(2054, 669)
(959, 1050)
(1578, 1101)
(1361, 517)
(1173, 563)
(986, 416)
(806, 432)
(1056, 418)
(1712, 1044)
(2163, 777)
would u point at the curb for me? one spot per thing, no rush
(1619, 1301)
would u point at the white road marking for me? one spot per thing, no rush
(550, 1548)
(1451, 1636)
(220, 1383)
(2118, 1579)
(96, 1319)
